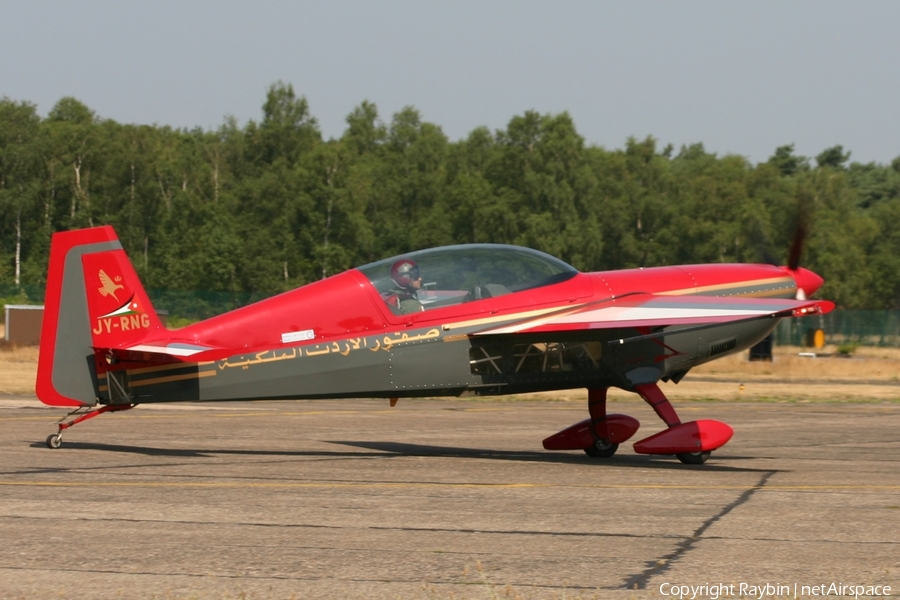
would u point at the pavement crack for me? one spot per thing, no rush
(661, 565)
(244, 576)
(407, 528)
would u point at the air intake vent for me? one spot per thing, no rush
(722, 346)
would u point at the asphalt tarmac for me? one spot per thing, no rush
(440, 499)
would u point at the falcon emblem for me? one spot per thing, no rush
(109, 286)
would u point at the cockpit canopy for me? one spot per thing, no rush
(456, 274)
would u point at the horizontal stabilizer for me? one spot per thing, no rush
(164, 352)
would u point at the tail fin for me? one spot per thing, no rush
(94, 300)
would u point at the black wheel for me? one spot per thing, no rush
(693, 458)
(601, 449)
(54, 441)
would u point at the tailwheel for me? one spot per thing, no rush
(54, 441)
(601, 449)
(693, 458)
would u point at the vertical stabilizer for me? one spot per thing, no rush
(94, 300)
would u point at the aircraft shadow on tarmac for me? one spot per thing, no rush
(211, 452)
(619, 460)
(400, 449)
(183, 453)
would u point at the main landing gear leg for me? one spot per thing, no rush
(691, 442)
(603, 446)
(54, 440)
(598, 436)
(654, 396)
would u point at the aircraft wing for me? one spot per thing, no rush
(653, 310)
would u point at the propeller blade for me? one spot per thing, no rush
(797, 243)
(800, 233)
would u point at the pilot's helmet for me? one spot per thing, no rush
(404, 272)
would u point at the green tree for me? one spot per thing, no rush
(542, 177)
(414, 180)
(637, 207)
(839, 238)
(480, 211)
(883, 257)
(873, 183)
(19, 162)
(833, 157)
(73, 150)
(787, 162)
(287, 129)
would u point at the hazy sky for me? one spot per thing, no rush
(741, 77)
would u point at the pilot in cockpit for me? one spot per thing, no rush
(403, 297)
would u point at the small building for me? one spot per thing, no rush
(23, 324)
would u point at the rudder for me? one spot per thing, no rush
(94, 300)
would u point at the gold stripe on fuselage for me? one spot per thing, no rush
(721, 289)
(158, 380)
(165, 367)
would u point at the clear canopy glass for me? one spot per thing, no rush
(456, 274)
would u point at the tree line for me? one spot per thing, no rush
(271, 205)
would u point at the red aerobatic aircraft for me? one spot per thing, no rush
(480, 319)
